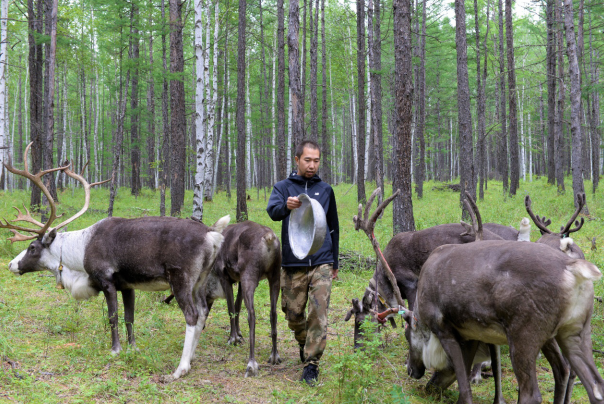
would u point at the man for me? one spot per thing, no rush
(307, 281)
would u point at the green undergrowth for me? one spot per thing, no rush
(56, 350)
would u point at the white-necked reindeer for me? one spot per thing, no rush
(116, 254)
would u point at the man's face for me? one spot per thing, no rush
(308, 162)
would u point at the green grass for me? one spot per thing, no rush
(56, 350)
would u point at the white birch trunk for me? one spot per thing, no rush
(3, 115)
(200, 146)
(211, 99)
(273, 125)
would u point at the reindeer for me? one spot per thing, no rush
(251, 252)
(407, 251)
(497, 292)
(562, 239)
(116, 254)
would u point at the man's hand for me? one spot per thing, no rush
(334, 273)
(293, 203)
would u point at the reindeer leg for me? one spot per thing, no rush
(237, 311)
(560, 369)
(248, 286)
(274, 286)
(578, 350)
(204, 307)
(227, 286)
(495, 352)
(128, 297)
(524, 362)
(458, 357)
(183, 288)
(111, 298)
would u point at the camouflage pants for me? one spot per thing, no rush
(299, 286)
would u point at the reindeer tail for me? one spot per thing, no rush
(585, 270)
(221, 224)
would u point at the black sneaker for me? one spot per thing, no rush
(310, 374)
(302, 358)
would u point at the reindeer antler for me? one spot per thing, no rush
(540, 222)
(37, 180)
(87, 186)
(566, 230)
(475, 215)
(367, 224)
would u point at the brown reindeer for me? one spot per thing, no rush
(250, 252)
(523, 294)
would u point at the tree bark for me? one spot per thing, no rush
(595, 115)
(314, 61)
(151, 120)
(49, 82)
(135, 153)
(551, 93)
(464, 114)
(361, 110)
(575, 104)
(480, 103)
(118, 140)
(297, 117)
(35, 17)
(421, 109)
(177, 109)
(403, 87)
(4, 137)
(282, 152)
(325, 146)
(165, 150)
(240, 118)
(513, 118)
(375, 60)
(503, 142)
(558, 123)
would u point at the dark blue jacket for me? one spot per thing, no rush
(277, 210)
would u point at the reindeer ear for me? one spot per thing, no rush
(49, 238)
(469, 230)
(348, 315)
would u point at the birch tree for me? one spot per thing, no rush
(200, 141)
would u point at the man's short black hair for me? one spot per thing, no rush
(311, 144)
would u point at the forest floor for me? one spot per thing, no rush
(56, 350)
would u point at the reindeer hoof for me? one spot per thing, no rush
(274, 359)
(116, 351)
(252, 369)
(180, 371)
(235, 340)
